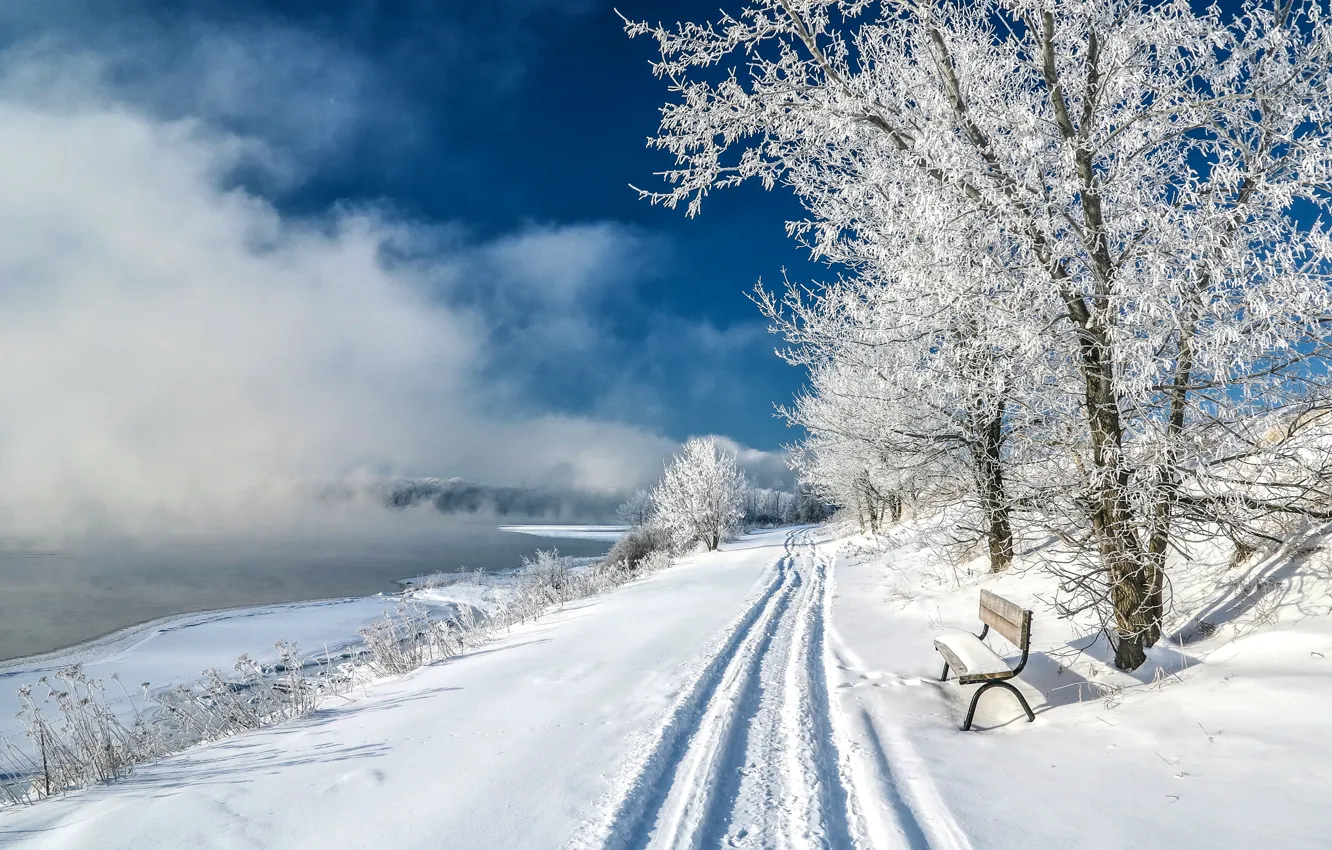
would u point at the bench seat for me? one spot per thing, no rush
(970, 657)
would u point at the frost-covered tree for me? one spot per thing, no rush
(906, 396)
(1138, 176)
(701, 496)
(636, 511)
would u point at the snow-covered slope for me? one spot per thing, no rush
(1222, 743)
(782, 694)
(177, 649)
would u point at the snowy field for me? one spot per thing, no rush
(782, 693)
(178, 649)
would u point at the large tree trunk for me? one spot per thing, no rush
(1131, 577)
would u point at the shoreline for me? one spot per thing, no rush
(179, 647)
(123, 638)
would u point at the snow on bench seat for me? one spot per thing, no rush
(969, 656)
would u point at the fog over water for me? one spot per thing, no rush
(58, 596)
(207, 383)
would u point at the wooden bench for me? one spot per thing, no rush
(977, 664)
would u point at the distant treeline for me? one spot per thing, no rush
(765, 506)
(459, 496)
(452, 496)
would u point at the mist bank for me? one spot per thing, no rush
(357, 506)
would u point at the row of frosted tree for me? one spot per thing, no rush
(704, 498)
(1078, 270)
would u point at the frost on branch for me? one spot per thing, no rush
(1094, 227)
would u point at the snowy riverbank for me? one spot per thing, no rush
(176, 650)
(783, 693)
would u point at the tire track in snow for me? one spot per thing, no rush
(633, 818)
(749, 757)
(740, 722)
(834, 803)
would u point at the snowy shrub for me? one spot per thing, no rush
(659, 559)
(409, 638)
(546, 573)
(253, 696)
(88, 743)
(631, 549)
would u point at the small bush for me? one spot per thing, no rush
(87, 744)
(631, 549)
(547, 575)
(653, 561)
(407, 639)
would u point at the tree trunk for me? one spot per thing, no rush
(994, 499)
(1163, 505)
(1122, 556)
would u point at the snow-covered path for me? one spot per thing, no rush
(697, 708)
(747, 756)
(689, 709)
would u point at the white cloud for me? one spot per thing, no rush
(544, 287)
(297, 102)
(563, 266)
(178, 354)
(763, 468)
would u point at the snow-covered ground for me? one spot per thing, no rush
(177, 650)
(1220, 744)
(782, 693)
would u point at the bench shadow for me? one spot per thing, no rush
(1047, 683)
(1056, 682)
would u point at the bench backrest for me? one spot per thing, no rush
(1006, 618)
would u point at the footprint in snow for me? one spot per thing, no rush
(357, 779)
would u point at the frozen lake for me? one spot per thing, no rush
(56, 597)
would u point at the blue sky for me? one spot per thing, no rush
(251, 246)
(495, 119)
(255, 244)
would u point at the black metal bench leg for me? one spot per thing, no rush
(998, 683)
(1031, 717)
(943, 677)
